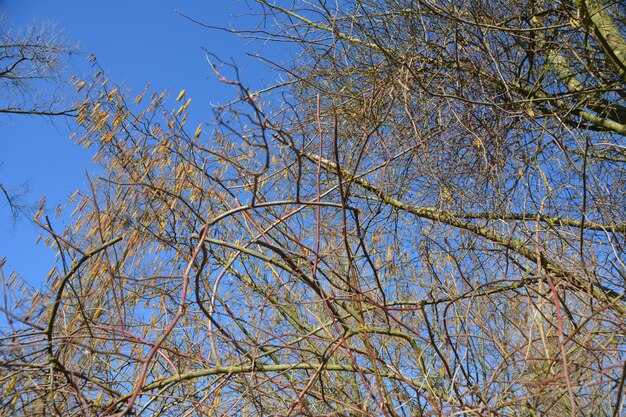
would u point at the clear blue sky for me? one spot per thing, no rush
(136, 42)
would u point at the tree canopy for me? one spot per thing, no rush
(31, 84)
(31, 65)
(426, 218)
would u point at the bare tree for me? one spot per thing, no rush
(31, 83)
(31, 65)
(427, 219)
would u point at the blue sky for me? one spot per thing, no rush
(136, 42)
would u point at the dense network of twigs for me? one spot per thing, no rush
(427, 219)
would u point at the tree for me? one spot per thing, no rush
(31, 82)
(31, 65)
(425, 220)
